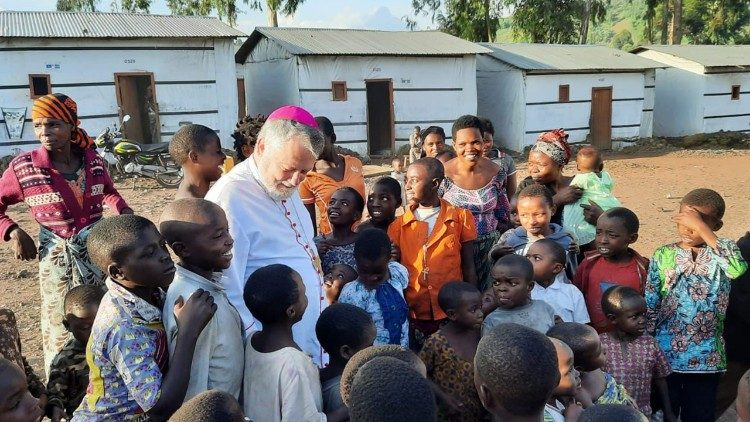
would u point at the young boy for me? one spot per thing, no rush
(210, 406)
(197, 149)
(69, 373)
(512, 283)
(415, 144)
(612, 263)
(548, 259)
(634, 358)
(16, 401)
(127, 351)
(198, 233)
(398, 173)
(449, 354)
(426, 235)
(335, 280)
(597, 187)
(379, 289)
(515, 372)
(687, 295)
(562, 405)
(342, 330)
(280, 382)
(589, 359)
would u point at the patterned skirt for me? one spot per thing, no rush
(482, 263)
(63, 264)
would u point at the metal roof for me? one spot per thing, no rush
(547, 58)
(110, 25)
(358, 42)
(705, 55)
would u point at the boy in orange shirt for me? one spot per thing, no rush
(426, 236)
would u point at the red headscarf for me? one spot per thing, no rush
(61, 107)
(555, 145)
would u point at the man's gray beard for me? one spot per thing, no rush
(271, 189)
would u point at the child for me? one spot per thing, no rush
(385, 389)
(16, 401)
(379, 289)
(342, 330)
(548, 259)
(398, 173)
(344, 209)
(512, 283)
(197, 149)
(127, 351)
(634, 359)
(612, 263)
(449, 353)
(246, 135)
(687, 295)
(433, 141)
(10, 349)
(382, 202)
(535, 209)
(198, 233)
(335, 280)
(489, 303)
(743, 398)
(446, 156)
(415, 144)
(514, 220)
(562, 405)
(210, 406)
(426, 236)
(589, 359)
(515, 372)
(597, 188)
(281, 381)
(69, 373)
(371, 353)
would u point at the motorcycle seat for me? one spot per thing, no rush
(159, 146)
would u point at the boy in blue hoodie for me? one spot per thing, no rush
(535, 210)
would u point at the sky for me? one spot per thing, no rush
(365, 14)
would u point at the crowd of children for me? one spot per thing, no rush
(574, 325)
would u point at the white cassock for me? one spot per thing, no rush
(268, 231)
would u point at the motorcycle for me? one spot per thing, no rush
(126, 158)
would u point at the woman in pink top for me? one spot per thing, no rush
(65, 184)
(331, 172)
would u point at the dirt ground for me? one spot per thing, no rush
(651, 184)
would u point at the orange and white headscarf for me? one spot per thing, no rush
(61, 107)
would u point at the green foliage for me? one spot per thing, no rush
(76, 5)
(717, 21)
(623, 40)
(125, 6)
(225, 9)
(473, 20)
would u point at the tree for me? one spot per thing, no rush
(126, 6)
(546, 21)
(716, 21)
(473, 20)
(227, 9)
(594, 11)
(76, 5)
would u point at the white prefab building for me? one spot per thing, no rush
(597, 94)
(706, 89)
(163, 71)
(374, 86)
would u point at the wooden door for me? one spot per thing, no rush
(601, 117)
(380, 123)
(135, 91)
(241, 107)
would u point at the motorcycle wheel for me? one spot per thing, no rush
(169, 179)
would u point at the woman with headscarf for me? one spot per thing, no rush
(547, 159)
(66, 185)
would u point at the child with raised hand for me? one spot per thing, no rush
(687, 295)
(562, 405)
(344, 209)
(198, 233)
(343, 330)
(383, 200)
(597, 188)
(449, 353)
(599, 387)
(69, 372)
(197, 149)
(436, 244)
(281, 382)
(535, 209)
(515, 372)
(512, 283)
(16, 402)
(634, 358)
(127, 352)
(335, 280)
(611, 263)
(379, 289)
(548, 259)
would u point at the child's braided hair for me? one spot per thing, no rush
(246, 132)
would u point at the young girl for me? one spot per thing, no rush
(535, 210)
(449, 353)
(382, 202)
(379, 290)
(344, 209)
(634, 358)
